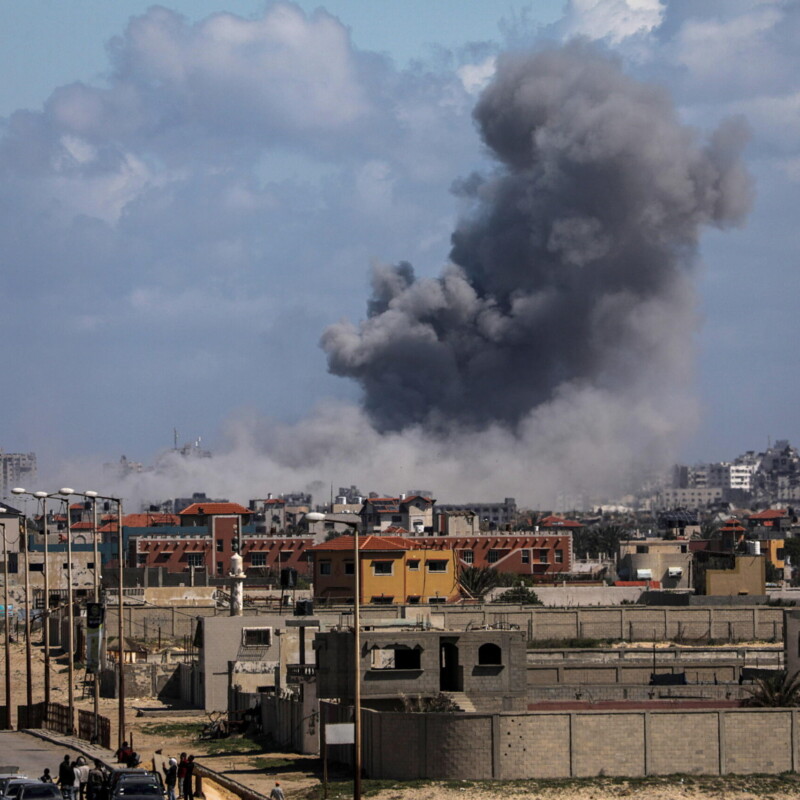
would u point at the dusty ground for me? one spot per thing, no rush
(252, 763)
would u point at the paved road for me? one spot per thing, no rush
(31, 754)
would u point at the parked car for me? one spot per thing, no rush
(142, 776)
(147, 790)
(12, 787)
(40, 791)
(5, 777)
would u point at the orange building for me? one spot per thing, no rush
(393, 569)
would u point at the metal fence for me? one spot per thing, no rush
(86, 728)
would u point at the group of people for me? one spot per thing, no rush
(179, 776)
(78, 780)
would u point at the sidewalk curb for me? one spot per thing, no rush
(231, 784)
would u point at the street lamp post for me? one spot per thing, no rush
(70, 614)
(6, 626)
(120, 621)
(316, 516)
(44, 497)
(90, 495)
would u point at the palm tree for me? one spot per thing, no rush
(775, 691)
(475, 582)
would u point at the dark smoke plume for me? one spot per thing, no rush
(569, 274)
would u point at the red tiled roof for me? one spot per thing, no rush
(197, 509)
(394, 529)
(369, 543)
(109, 527)
(559, 522)
(769, 513)
(150, 520)
(76, 506)
(274, 501)
(416, 497)
(82, 526)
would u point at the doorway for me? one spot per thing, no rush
(449, 670)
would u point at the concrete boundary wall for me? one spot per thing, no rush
(564, 744)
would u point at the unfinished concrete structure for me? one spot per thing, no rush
(482, 668)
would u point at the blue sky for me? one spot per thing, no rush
(192, 193)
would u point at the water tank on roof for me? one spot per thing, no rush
(754, 548)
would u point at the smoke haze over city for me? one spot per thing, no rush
(561, 234)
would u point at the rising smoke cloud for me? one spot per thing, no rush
(572, 267)
(553, 356)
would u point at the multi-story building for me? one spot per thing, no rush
(493, 515)
(541, 555)
(16, 469)
(392, 569)
(410, 514)
(664, 563)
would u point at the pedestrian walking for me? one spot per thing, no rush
(66, 778)
(277, 792)
(188, 777)
(171, 777)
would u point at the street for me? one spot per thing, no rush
(30, 754)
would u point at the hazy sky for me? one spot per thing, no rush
(190, 194)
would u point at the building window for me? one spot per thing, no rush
(641, 548)
(437, 565)
(382, 567)
(490, 655)
(258, 559)
(220, 568)
(413, 599)
(396, 518)
(435, 601)
(493, 556)
(348, 568)
(526, 556)
(382, 600)
(395, 658)
(324, 567)
(194, 559)
(467, 556)
(413, 564)
(256, 637)
(543, 556)
(220, 545)
(559, 556)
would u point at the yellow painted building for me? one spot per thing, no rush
(773, 550)
(393, 569)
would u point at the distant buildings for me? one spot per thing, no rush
(16, 469)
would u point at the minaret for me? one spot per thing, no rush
(237, 584)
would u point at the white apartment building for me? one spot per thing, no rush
(16, 469)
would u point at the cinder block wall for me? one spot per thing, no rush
(580, 744)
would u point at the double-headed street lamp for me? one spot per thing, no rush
(23, 540)
(44, 497)
(6, 626)
(316, 516)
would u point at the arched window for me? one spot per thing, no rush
(489, 654)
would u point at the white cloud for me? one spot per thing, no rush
(612, 20)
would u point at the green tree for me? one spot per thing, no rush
(775, 691)
(519, 594)
(475, 582)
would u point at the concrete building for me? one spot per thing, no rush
(487, 666)
(664, 563)
(492, 515)
(16, 469)
(393, 570)
(456, 523)
(412, 514)
(252, 653)
(544, 556)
